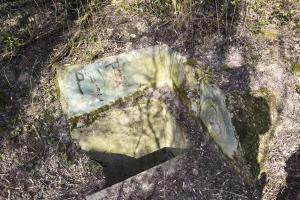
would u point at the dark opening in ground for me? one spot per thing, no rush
(118, 167)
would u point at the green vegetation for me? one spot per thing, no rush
(158, 7)
(298, 88)
(272, 12)
(202, 72)
(283, 12)
(11, 42)
(295, 68)
(270, 34)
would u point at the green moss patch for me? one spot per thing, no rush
(270, 35)
(295, 68)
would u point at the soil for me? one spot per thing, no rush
(249, 47)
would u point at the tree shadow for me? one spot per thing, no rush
(251, 114)
(292, 188)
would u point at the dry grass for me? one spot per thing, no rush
(38, 158)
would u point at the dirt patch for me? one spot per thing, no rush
(38, 158)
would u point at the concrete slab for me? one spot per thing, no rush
(85, 88)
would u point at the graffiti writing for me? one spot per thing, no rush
(113, 72)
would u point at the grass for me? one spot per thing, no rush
(270, 35)
(157, 7)
(85, 23)
(11, 42)
(295, 68)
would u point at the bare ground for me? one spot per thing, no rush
(248, 49)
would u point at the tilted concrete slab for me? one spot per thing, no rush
(133, 131)
(85, 88)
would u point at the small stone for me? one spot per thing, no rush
(10, 75)
(23, 78)
(195, 172)
(234, 58)
(133, 35)
(270, 33)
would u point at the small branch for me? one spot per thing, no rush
(232, 193)
(219, 33)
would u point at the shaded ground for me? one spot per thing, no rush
(192, 175)
(292, 188)
(36, 152)
(249, 48)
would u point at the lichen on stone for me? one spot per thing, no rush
(216, 118)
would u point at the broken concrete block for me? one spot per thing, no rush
(142, 127)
